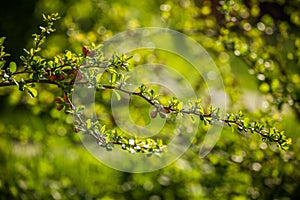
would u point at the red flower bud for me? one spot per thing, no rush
(85, 51)
(76, 130)
(59, 107)
(58, 100)
(61, 77)
(75, 72)
(79, 75)
(52, 78)
(65, 97)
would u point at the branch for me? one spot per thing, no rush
(46, 81)
(242, 123)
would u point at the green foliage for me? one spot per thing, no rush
(3, 54)
(62, 71)
(237, 168)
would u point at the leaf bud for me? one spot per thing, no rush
(153, 114)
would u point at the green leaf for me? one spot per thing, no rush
(69, 55)
(271, 132)
(241, 113)
(117, 95)
(179, 106)
(113, 79)
(88, 123)
(142, 88)
(2, 40)
(103, 128)
(112, 70)
(247, 122)
(44, 17)
(98, 78)
(2, 64)
(31, 51)
(12, 67)
(66, 67)
(151, 92)
(32, 92)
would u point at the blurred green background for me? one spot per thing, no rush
(41, 157)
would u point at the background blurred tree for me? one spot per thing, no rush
(40, 158)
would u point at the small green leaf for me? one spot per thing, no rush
(98, 78)
(2, 40)
(32, 92)
(179, 106)
(241, 113)
(66, 67)
(117, 95)
(88, 123)
(113, 79)
(2, 64)
(151, 92)
(103, 128)
(69, 55)
(44, 17)
(12, 67)
(112, 70)
(247, 122)
(31, 51)
(142, 88)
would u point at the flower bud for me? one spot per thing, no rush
(61, 77)
(58, 100)
(76, 130)
(85, 51)
(52, 78)
(153, 114)
(162, 115)
(59, 107)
